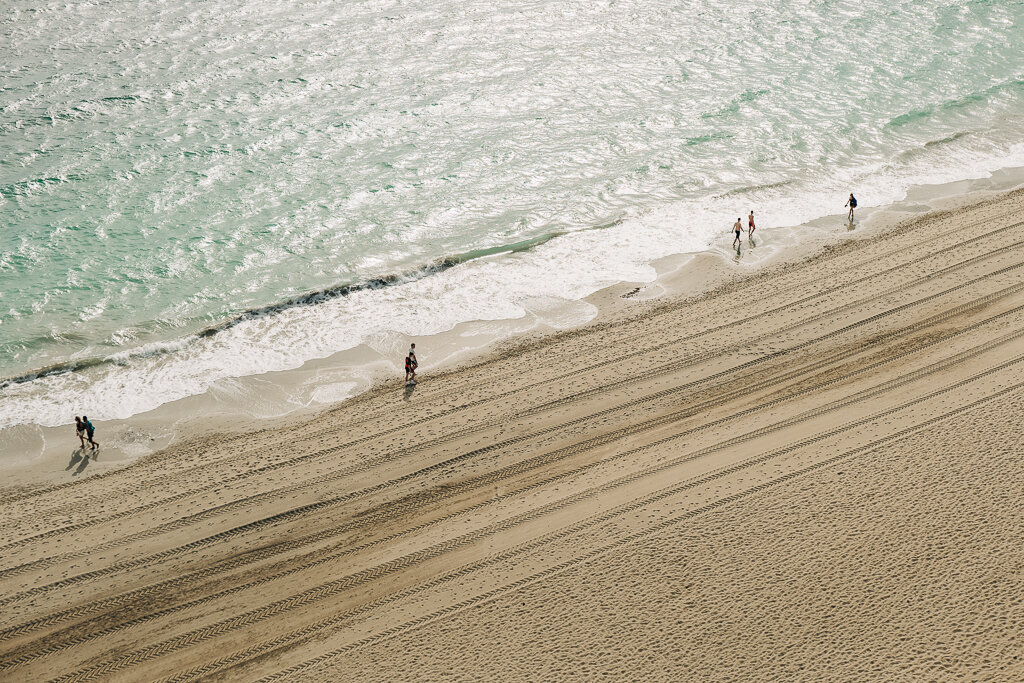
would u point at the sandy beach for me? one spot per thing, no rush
(812, 472)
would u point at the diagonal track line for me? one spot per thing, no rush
(657, 347)
(571, 530)
(264, 649)
(300, 510)
(516, 468)
(537, 461)
(386, 457)
(337, 586)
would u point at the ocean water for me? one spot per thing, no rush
(194, 192)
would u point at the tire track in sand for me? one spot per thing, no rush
(456, 434)
(334, 587)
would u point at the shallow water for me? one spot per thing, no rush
(176, 179)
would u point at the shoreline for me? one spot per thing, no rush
(810, 472)
(34, 455)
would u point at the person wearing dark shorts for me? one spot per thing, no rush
(738, 229)
(852, 203)
(90, 430)
(410, 371)
(80, 430)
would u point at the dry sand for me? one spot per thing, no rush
(812, 473)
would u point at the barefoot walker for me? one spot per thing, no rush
(89, 431)
(80, 430)
(410, 369)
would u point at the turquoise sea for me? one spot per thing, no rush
(195, 192)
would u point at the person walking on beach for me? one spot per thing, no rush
(852, 203)
(410, 370)
(412, 354)
(738, 229)
(80, 430)
(750, 224)
(90, 430)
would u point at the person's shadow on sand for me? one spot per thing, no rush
(79, 457)
(409, 388)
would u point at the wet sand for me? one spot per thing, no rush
(810, 473)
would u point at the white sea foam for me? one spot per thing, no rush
(170, 167)
(504, 286)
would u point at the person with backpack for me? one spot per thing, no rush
(852, 203)
(90, 430)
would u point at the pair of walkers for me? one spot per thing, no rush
(410, 366)
(85, 431)
(738, 228)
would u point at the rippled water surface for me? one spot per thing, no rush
(173, 167)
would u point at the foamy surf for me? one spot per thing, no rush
(541, 281)
(175, 225)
